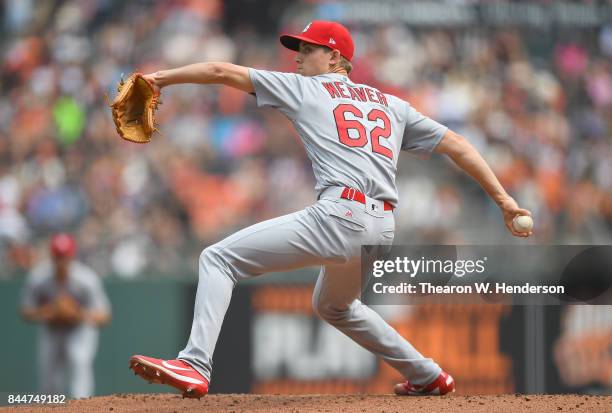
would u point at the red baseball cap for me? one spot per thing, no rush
(63, 245)
(324, 33)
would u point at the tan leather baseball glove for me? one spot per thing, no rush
(134, 109)
(66, 311)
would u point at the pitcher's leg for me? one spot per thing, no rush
(335, 299)
(215, 286)
(275, 245)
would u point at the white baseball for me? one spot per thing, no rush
(522, 223)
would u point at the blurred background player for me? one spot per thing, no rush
(67, 298)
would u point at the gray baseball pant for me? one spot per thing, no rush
(330, 234)
(67, 356)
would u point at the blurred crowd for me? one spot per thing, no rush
(538, 105)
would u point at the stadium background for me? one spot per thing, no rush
(527, 82)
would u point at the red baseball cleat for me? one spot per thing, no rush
(175, 373)
(439, 387)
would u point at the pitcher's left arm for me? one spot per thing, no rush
(205, 73)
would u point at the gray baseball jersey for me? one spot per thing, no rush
(82, 284)
(352, 133)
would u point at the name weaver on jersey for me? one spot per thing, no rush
(361, 94)
(353, 135)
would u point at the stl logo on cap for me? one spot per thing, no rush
(307, 27)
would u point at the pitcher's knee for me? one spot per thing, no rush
(212, 257)
(332, 313)
(208, 255)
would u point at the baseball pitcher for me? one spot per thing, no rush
(353, 135)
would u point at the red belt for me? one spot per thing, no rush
(354, 195)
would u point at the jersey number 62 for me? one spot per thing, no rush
(343, 125)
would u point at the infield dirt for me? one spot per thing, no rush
(236, 403)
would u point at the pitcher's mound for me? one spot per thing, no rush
(248, 403)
